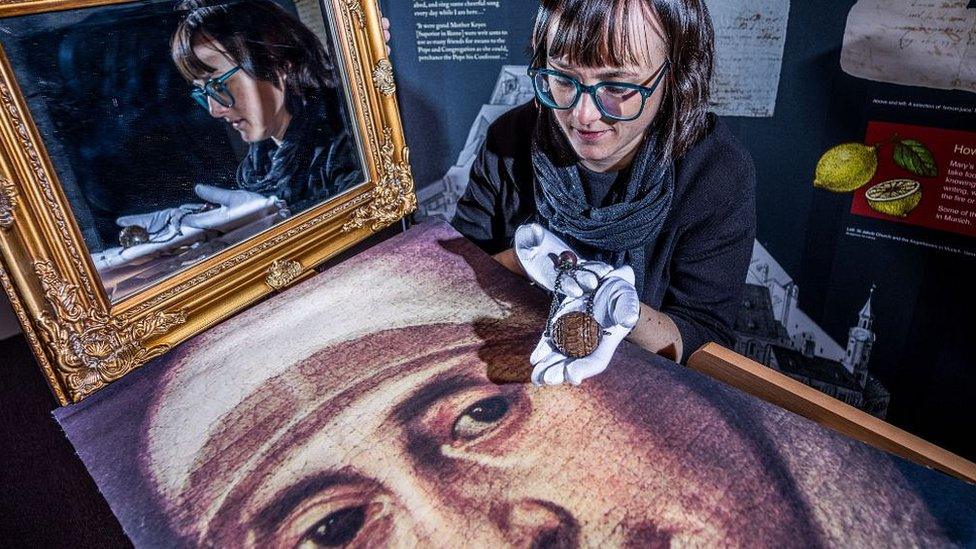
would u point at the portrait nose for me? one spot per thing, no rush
(536, 523)
(586, 111)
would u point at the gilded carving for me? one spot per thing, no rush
(393, 196)
(83, 341)
(92, 348)
(31, 336)
(383, 77)
(8, 201)
(39, 172)
(282, 273)
(356, 8)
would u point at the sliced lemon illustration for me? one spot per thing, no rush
(896, 197)
(846, 167)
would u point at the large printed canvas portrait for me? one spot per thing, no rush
(403, 416)
(178, 129)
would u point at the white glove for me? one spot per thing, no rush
(166, 232)
(538, 250)
(237, 208)
(162, 224)
(616, 307)
(172, 228)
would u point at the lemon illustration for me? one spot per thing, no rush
(846, 167)
(897, 197)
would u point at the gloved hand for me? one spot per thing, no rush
(161, 224)
(616, 307)
(236, 208)
(537, 250)
(165, 230)
(172, 228)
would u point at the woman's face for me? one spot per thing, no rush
(601, 143)
(432, 453)
(258, 112)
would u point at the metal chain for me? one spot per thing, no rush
(571, 270)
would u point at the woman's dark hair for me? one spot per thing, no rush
(595, 33)
(262, 37)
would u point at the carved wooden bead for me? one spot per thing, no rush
(132, 235)
(576, 334)
(568, 258)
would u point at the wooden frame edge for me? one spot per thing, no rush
(746, 375)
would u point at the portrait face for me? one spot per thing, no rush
(258, 112)
(413, 443)
(604, 144)
(404, 417)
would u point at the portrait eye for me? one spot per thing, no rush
(480, 418)
(336, 529)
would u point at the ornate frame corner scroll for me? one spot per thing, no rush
(83, 339)
(393, 197)
(91, 347)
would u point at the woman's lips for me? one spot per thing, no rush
(590, 136)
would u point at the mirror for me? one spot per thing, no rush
(165, 165)
(177, 132)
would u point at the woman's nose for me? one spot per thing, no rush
(216, 109)
(586, 111)
(536, 523)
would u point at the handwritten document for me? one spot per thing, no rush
(749, 40)
(928, 43)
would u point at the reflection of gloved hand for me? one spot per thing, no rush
(616, 307)
(538, 249)
(172, 228)
(236, 208)
(161, 224)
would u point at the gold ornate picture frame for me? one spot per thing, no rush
(82, 338)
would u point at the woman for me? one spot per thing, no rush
(261, 70)
(619, 157)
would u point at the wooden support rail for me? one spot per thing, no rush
(746, 375)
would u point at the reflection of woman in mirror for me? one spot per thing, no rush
(261, 70)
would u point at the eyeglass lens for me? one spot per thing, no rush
(613, 101)
(215, 89)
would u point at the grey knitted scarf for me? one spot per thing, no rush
(617, 234)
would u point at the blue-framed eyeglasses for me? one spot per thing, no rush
(615, 100)
(216, 89)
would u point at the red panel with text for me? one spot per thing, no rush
(925, 177)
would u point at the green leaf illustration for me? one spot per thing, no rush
(916, 158)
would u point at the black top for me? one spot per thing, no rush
(696, 268)
(316, 159)
(602, 189)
